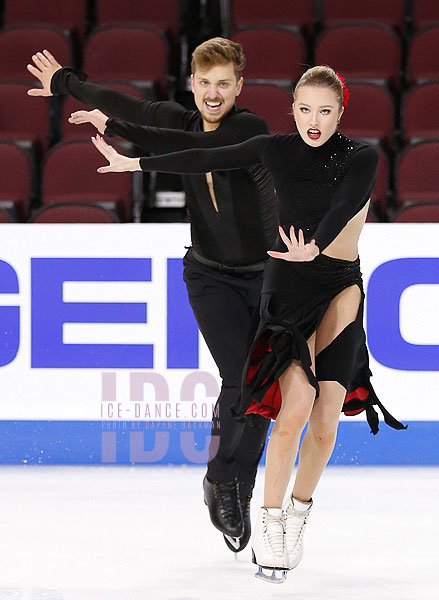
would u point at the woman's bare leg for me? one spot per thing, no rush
(319, 440)
(297, 401)
(298, 406)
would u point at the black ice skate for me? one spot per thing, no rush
(245, 496)
(224, 508)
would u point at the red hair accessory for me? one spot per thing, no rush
(345, 90)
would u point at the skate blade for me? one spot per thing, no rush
(233, 541)
(273, 578)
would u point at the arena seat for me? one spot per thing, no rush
(70, 105)
(417, 173)
(370, 114)
(365, 52)
(420, 117)
(71, 212)
(69, 175)
(15, 178)
(23, 118)
(272, 54)
(425, 13)
(130, 53)
(423, 56)
(391, 13)
(371, 215)
(18, 44)
(417, 212)
(71, 15)
(297, 14)
(163, 15)
(381, 190)
(5, 217)
(271, 102)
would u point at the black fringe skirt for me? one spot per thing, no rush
(295, 297)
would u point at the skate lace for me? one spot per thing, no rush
(245, 504)
(295, 528)
(227, 495)
(273, 531)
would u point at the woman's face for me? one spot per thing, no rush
(316, 112)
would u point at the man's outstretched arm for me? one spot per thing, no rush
(162, 140)
(56, 79)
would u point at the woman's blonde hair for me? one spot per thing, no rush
(321, 76)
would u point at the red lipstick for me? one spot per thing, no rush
(314, 134)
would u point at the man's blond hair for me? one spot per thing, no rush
(218, 51)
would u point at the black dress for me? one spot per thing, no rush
(319, 189)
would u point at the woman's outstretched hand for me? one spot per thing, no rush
(95, 117)
(118, 162)
(298, 251)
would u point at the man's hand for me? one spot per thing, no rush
(45, 65)
(298, 251)
(118, 162)
(95, 117)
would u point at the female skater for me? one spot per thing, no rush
(309, 356)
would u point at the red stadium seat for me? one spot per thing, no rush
(18, 44)
(5, 216)
(425, 13)
(417, 173)
(270, 102)
(247, 13)
(69, 15)
(70, 175)
(418, 213)
(369, 114)
(420, 117)
(386, 12)
(371, 215)
(370, 52)
(68, 131)
(15, 178)
(381, 190)
(73, 213)
(284, 62)
(423, 56)
(22, 117)
(144, 57)
(163, 15)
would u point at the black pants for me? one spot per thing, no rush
(224, 306)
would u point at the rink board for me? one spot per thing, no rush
(101, 360)
(91, 442)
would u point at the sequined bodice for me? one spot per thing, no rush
(306, 177)
(318, 189)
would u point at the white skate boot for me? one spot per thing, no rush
(295, 523)
(268, 545)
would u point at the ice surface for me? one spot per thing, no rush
(131, 533)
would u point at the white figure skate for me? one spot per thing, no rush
(295, 523)
(268, 546)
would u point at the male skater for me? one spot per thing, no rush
(233, 224)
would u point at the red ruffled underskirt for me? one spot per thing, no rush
(272, 400)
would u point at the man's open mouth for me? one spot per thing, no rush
(213, 106)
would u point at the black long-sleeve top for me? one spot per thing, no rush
(244, 226)
(319, 189)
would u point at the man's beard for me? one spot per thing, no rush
(212, 118)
